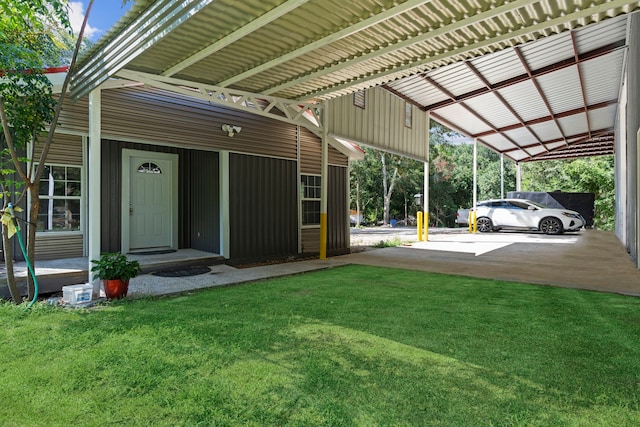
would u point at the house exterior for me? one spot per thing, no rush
(172, 178)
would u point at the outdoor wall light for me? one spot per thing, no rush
(231, 130)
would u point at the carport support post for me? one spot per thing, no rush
(474, 224)
(425, 197)
(502, 175)
(518, 177)
(93, 229)
(324, 181)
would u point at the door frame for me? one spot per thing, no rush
(126, 193)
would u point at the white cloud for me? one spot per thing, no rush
(76, 16)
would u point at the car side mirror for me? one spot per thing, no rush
(531, 208)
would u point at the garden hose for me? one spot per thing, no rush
(24, 252)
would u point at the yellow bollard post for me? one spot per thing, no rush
(420, 226)
(475, 222)
(426, 226)
(470, 220)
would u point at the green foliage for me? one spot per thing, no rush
(350, 346)
(585, 175)
(115, 266)
(451, 180)
(30, 40)
(391, 243)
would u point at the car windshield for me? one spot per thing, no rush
(540, 205)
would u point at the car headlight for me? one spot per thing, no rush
(571, 215)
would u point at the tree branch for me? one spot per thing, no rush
(63, 91)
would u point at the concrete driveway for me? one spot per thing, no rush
(588, 259)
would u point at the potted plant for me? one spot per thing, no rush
(115, 270)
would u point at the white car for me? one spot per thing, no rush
(521, 214)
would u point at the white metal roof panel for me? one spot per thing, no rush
(492, 110)
(498, 142)
(521, 136)
(604, 75)
(519, 155)
(499, 66)
(573, 125)
(525, 100)
(597, 36)
(547, 51)
(468, 123)
(456, 78)
(547, 131)
(562, 89)
(538, 149)
(554, 145)
(603, 118)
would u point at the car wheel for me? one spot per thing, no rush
(551, 225)
(484, 224)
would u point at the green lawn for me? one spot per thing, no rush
(352, 346)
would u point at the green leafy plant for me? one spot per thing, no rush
(388, 243)
(115, 266)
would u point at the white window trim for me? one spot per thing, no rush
(81, 200)
(304, 199)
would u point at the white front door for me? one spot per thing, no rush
(149, 209)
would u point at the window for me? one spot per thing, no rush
(149, 167)
(310, 191)
(60, 193)
(408, 115)
(359, 99)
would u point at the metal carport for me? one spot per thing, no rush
(530, 79)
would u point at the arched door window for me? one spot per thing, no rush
(149, 167)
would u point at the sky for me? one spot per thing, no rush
(104, 14)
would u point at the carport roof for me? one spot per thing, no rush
(520, 98)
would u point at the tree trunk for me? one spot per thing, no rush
(386, 200)
(8, 262)
(388, 188)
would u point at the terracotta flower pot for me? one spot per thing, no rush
(116, 288)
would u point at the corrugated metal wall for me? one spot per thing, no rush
(381, 124)
(198, 196)
(338, 233)
(263, 208)
(155, 116)
(65, 149)
(311, 154)
(199, 175)
(633, 132)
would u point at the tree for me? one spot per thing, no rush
(29, 41)
(589, 175)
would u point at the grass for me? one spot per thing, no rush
(390, 243)
(351, 346)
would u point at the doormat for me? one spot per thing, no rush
(183, 272)
(160, 252)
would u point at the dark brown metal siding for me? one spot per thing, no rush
(311, 153)
(154, 115)
(262, 208)
(202, 190)
(337, 209)
(198, 196)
